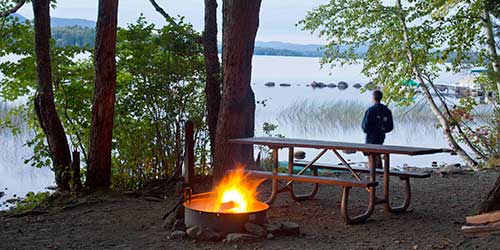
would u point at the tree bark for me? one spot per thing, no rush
(237, 111)
(45, 107)
(212, 68)
(435, 109)
(491, 46)
(99, 169)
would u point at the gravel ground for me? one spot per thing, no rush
(118, 221)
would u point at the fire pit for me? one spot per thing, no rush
(228, 207)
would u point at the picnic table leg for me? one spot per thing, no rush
(290, 185)
(274, 191)
(372, 199)
(387, 200)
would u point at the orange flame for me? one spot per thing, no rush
(236, 193)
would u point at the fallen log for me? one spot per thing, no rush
(484, 218)
(475, 231)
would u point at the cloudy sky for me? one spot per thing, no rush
(277, 17)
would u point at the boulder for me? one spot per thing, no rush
(177, 235)
(342, 85)
(285, 84)
(239, 237)
(451, 169)
(255, 229)
(270, 84)
(315, 84)
(203, 233)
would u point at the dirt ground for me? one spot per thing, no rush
(118, 221)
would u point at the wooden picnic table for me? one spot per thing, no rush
(372, 150)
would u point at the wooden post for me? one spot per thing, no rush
(75, 171)
(189, 152)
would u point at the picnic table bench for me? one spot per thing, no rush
(275, 144)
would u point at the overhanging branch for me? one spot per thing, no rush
(18, 5)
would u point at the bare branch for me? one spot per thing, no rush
(162, 12)
(18, 5)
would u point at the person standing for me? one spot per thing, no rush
(376, 123)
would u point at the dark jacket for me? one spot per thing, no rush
(376, 123)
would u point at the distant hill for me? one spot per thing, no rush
(64, 22)
(81, 32)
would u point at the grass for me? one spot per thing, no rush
(313, 116)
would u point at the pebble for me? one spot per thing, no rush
(255, 229)
(177, 235)
(273, 227)
(239, 237)
(203, 233)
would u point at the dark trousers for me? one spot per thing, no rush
(375, 160)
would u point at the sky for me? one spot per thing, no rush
(277, 17)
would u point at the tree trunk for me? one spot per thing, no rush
(99, 169)
(492, 50)
(492, 201)
(435, 109)
(237, 111)
(45, 107)
(212, 68)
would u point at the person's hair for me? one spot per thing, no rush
(377, 95)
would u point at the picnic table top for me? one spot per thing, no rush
(276, 142)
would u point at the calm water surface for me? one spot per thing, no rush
(303, 122)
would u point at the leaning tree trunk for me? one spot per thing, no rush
(435, 109)
(491, 46)
(45, 107)
(99, 169)
(237, 111)
(492, 201)
(212, 68)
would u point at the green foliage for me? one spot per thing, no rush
(160, 85)
(32, 200)
(439, 32)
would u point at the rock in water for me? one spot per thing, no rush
(255, 229)
(270, 84)
(285, 84)
(2, 194)
(299, 155)
(342, 85)
(203, 233)
(177, 235)
(290, 228)
(332, 85)
(357, 85)
(239, 237)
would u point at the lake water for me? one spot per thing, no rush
(299, 111)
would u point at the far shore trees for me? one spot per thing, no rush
(101, 135)
(237, 110)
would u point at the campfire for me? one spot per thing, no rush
(231, 204)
